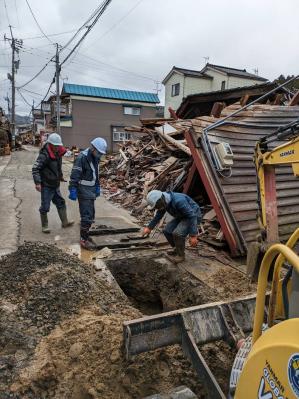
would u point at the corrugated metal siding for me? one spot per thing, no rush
(115, 94)
(240, 189)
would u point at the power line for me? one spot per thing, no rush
(116, 24)
(17, 13)
(85, 25)
(51, 35)
(6, 12)
(38, 25)
(37, 74)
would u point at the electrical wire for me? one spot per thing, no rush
(24, 99)
(6, 12)
(103, 7)
(36, 75)
(32, 92)
(50, 35)
(116, 24)
(85, 25)
(17, 13)
(38, 25)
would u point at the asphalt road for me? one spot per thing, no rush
(19, 204)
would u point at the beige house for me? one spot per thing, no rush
(181, 82)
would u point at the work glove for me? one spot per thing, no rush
(98, 191)
(146, 231)
(193, 241)
(73, 193)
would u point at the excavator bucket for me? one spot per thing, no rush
(191, 327)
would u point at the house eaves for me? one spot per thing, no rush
(228, 71)
(108, 93)
(186, 72)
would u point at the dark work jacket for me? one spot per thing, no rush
(83, 177)
(181, 206)
(47, 169)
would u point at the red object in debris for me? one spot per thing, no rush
(173, 113)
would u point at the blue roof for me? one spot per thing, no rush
(114, 94)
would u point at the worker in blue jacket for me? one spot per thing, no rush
(85, 186)
(186, 216)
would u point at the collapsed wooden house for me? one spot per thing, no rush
(175, 154)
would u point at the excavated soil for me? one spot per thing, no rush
(61, 327)
(61, 334)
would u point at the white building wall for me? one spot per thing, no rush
(188, 85)
(196, 85)
(218, 77)
(173, 102)
(234, 81)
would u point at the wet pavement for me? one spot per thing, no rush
(19, 204)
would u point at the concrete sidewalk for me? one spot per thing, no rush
(19, 202)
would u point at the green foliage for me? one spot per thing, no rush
(294, 85)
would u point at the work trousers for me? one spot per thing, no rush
(49, 194)
(179, 227)
(87, 214)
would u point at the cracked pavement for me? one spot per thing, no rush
(19, 204)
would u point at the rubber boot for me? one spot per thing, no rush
(63, 217)
(44, 221)
(169, 238)
(86, 242)
(180, 243)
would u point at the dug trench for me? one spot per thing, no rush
(154, 285)
(61, 327)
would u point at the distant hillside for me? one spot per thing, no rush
(22, 120)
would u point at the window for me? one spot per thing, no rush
(132, 110)
(223, 85)
(175, 89)
(121, 135)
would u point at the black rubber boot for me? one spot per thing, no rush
(86, 242)
(180, 243)
(44, 221)
(63, 217)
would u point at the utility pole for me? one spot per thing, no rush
(58, 68)
(15, 45)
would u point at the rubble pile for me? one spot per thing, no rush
(159, 160)
(149, 163)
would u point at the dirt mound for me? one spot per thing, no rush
(61, 334)
(83, 359)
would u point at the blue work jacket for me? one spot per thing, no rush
(85, 175)
(181, 206)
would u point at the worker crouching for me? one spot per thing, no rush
(85, 186)
(186, 216)
(47, 175)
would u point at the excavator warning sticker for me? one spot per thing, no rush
(293, 373)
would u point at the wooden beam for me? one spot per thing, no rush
(190, 178)
(295, 99)
(217, 109)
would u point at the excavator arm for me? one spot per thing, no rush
(265, 162)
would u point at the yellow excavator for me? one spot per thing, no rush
(271, 369)
(267, 363)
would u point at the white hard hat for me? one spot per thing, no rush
(100, 144)
(153, 197)
(54, 139)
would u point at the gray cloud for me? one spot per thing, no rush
(156, 35)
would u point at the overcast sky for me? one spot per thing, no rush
(136, 42)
